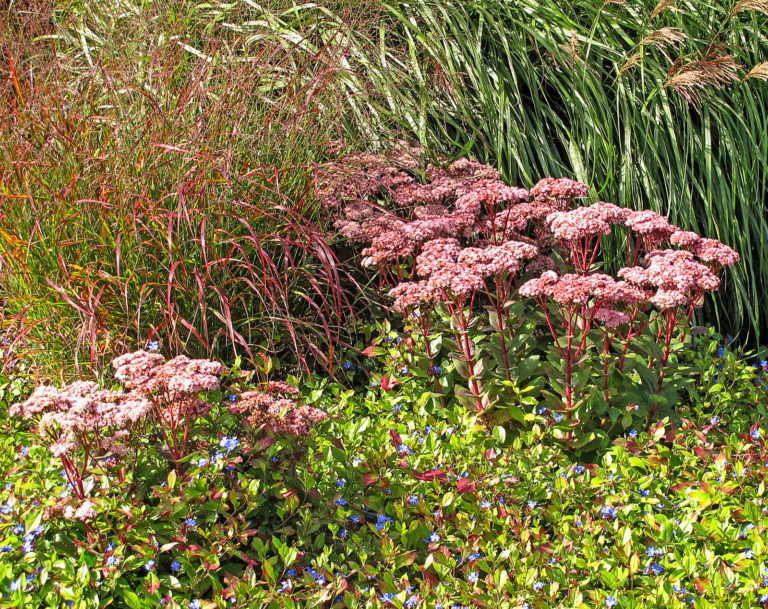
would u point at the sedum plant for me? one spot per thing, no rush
(459, 249)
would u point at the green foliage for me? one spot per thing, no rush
(399, 496)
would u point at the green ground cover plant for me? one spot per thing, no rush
(394, 501)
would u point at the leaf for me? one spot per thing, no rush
(524, 369)
(499, 434)
(374, 351)
(388, 383)
(131, 599)
(435, 474)
(465, 485)
(405, 560)
(153, 583)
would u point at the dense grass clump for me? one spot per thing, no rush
(157, 178)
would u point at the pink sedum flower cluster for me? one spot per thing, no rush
(272, 410)
(463, 232)
(69, 413)
(460, 201)
(677, 276)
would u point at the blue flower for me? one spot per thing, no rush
(347, 365)
(608, 511)
(433, 538)
(195, 604)
(341, 483)
(538, 586)
(472, 577)
(531, 504)
(387, 597)
(149, 564)
(343, 533)
(153, 345)
(229, 444)
(190, 522)
(558, 417)
(542, 410)
(657, 568)
(755, 434)
(413, 499)
(6, 548)
(24, 451)
(610, 601)
(749, 554)
(175, 566)
(355, 519)
(341, 501)
(437, 369)
(411, 602)
(201, 462)
(404, 450)
(714, 420)
(633, 433)
(485, 504)
(112, 561)
(232, 398)
(578, 469)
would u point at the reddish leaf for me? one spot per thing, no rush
(373, 351)
(680, 486)
(670, 437)
(465, 485)
(431, 578)
(491, 454)
(700, 452)
(265, 443)
(337, 443)
(388, 383)
(369, 479)
(435, 474)
(396, 440)
(153, 584)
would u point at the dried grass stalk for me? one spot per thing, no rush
(691, 79)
